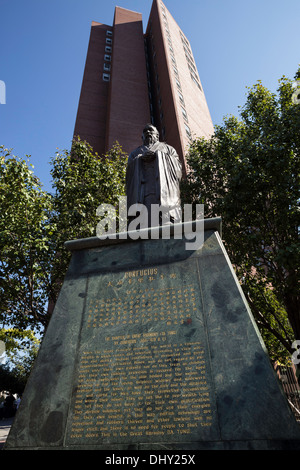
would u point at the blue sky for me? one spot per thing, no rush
(43, 47)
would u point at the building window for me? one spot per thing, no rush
(106, 77)
(181, 97)
(190, 63)
(109, 33)
(178, 84)
(107, 57)
(195, 81)
(184, 39)
(108, 41)
(192, 69)
(187, 49)
(107, 67)
(188, 131)
(108, 48)
(184, 113)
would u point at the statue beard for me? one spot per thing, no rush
(150, 140)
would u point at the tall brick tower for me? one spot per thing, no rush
(132, 78)
(179, 108)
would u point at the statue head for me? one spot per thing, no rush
(150, 134)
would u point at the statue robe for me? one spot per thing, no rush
(167, 174)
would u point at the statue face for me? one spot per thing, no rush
(150, 135)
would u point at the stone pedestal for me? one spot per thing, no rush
(152, 346)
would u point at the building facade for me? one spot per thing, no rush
(132, 78)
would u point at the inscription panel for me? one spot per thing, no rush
(143, 368)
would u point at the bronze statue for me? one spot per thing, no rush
(153, 176)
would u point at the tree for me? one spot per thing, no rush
(24, 264)
(24, 235)
(21, 348)
(34, 226)
(82, 181)
(248, 173)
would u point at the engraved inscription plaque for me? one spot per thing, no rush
(143, 371)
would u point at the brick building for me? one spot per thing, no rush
(132, 78)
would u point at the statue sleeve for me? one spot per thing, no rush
(170, 173)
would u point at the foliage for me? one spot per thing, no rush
(16, 341)
(24, 236)
(21, 348)
(82, 181)
(248, 173)
(34, 226)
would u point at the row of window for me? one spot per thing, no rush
(157, 85)
(107, 56)
(149, 83)
(160, 101)
(184, 39)
(190, 60)
(177, 79)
